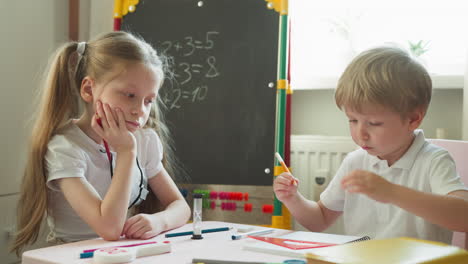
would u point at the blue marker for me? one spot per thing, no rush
(188, 233)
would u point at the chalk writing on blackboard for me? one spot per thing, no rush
(194, 64)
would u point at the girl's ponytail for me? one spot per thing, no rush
(59, 102)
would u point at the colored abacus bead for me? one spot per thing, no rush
(213, 195)
(222, 195)
(267, 208)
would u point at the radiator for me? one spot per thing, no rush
(314, 161)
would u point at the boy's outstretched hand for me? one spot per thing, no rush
(368, 183)
(284, 186)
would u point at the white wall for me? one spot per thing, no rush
(29, 31)
(314, 112)
(101, 17)
(96, 17)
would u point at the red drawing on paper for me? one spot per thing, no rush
(292, 244)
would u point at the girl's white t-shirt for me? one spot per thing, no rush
(73, 154)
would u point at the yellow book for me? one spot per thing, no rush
(391, 251)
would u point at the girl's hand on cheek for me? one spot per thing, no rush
(113, 130)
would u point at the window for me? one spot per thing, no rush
(324, 38)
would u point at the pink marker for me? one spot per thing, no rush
(129, 245)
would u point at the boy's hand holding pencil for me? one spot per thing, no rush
(285, 185)
(294, 181)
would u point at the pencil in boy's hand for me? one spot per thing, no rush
(281, 161)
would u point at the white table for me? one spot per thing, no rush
(218, 245)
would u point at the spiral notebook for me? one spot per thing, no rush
(390, 251)
(297, 244)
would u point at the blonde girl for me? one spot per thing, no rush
(96, 146)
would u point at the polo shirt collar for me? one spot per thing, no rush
(407, 160)
(83, 136)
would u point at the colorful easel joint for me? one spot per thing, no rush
(280, 6)
(282, 84)
(282, 221)
(122, 7)
(277, 170)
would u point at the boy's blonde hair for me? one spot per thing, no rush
(386, 76)
(61, 101)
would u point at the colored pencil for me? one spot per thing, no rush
(252, 233)
(281, 161)
(188, 233)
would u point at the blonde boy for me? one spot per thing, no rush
(397, 183)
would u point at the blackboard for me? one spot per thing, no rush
(221, 106)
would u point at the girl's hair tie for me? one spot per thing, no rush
(81, 48)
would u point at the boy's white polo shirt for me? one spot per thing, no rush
(424, 167)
